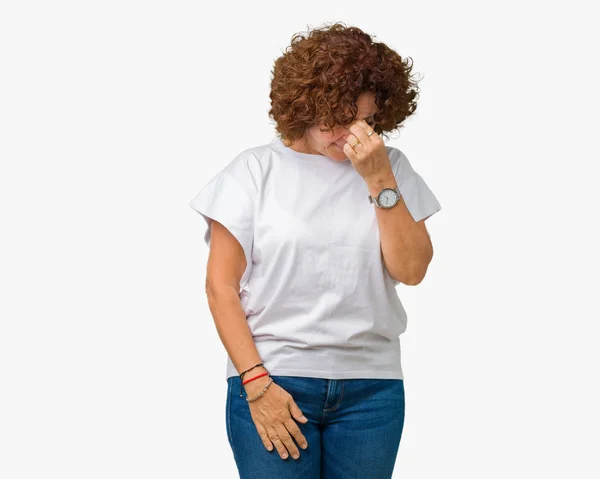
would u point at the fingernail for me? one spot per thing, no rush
(304, 446)
(303, 418)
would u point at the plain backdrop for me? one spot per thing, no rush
(114, 114)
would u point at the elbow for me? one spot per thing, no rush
(415, 280)
(413, 272)
(409, 281)
(418, 271)
(412, 276)
(216, 289)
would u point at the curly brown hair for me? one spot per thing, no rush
(321, 75)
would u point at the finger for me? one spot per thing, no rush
(353, 141)
(285, 437)
(359, 129)
(350, 152)
(296, 433)
(296, 412)
(274, 437)
(262, 432)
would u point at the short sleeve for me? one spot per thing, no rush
(229, 199)
(418, 197)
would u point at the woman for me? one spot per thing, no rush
(308, 236)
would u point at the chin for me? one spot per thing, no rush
(337, 154)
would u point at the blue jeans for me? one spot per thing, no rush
(353, 430)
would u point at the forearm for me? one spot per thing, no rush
(232, 327)
(406, 248)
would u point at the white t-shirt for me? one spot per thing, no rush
(317, 296)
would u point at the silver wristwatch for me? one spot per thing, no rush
(387, 198)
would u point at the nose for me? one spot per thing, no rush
(342, 132)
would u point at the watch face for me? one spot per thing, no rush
(388, 198)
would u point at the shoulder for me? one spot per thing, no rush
(250, 165)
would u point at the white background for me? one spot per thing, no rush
(114, 114)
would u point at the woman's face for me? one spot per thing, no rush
(331, 143)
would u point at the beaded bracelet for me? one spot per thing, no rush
(242, 374)
(252, 379)
(261, 393)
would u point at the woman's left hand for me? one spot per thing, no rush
(369, 157)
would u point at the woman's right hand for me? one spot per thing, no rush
(273, 414)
